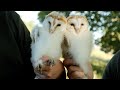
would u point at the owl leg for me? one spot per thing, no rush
(39, 66)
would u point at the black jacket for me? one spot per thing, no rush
(112, 70)
(15, 49)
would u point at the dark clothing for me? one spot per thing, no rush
(15, 49)
(112, 70)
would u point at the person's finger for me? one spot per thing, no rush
(69, 62)
(76, 75)
(75, 72)
(74, 68)
(46, 68)
(46, 71)
(49, 74)
(54, 72)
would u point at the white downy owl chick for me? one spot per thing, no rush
(79, 41)
(48, 38)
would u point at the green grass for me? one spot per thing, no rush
(99, 60)
(98, 68)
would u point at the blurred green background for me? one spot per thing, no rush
(106, 28)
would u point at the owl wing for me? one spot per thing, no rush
(84, 51)
(35, 33)
(35, 36)
(86, 44)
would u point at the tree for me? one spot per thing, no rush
(106, 21)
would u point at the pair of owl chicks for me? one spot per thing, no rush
(61, 36)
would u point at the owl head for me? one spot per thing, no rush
(55, 21)
(77, 23)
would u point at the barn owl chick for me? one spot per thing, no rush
(78, 41)
(48, 39)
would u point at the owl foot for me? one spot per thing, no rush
(50, 63)
(39, 68)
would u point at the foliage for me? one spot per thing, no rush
(98, 67)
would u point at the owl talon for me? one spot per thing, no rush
(50, 63)
(39, 68)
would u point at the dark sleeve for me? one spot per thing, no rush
(23, 40)
(63, 75)
(112, 68)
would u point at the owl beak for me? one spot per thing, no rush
(78, 30)
(51, 30)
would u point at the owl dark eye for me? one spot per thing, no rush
(82, 24)
(72, 24)
(49, 22)
(59, 25)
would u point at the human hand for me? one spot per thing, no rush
(75, 72)
(49, 72)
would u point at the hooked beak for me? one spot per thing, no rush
(78, 30)
(51, 30)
